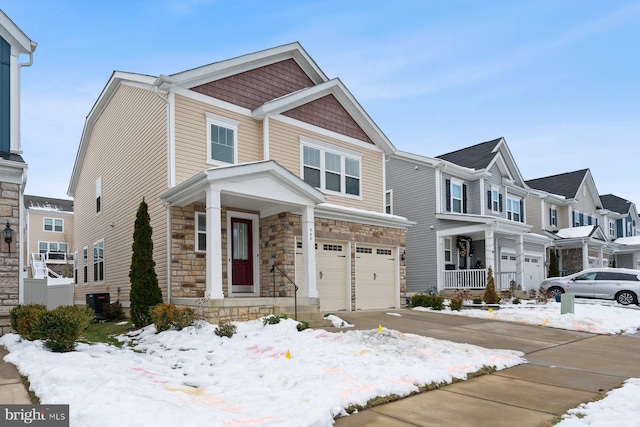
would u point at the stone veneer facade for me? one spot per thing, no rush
(9, 261)
(277, 240)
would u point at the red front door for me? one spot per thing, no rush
(241, 255)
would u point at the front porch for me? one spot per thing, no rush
(477, 279)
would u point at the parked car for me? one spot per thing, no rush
(619, 284)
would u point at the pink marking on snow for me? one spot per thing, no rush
(463, 368)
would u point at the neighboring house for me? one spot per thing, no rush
(253, 168)
(49, 236)
(470, 214)
(567, 208)
(13, 43)
(621, 219)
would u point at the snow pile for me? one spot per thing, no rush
(603, 318)
(264, 375)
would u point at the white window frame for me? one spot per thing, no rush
(456, 183)
(495, 199)
(448, 251)
(97, 260)
(85, 264)
(53, 225)
(553, 220)
(513, 214)
(576, 218)
(344, 155)
(612, 228)
(99, 201)
(226, 123)
(388, 202)
(198, 232)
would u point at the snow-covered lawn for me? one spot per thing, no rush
(269, 375)
(274, 375)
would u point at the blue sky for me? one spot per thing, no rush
(557, 79)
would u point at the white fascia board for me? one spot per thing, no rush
(501, 224)
(117, 78)
(508, 158)
(360, 216)
(462, 172)
(14, 35)
(240, 64)
(417, 158)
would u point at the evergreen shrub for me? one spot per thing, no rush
(23, 319)
(61, 328)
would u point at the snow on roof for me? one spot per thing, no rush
(632, 240)
(575, 232)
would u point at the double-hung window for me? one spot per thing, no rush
(495, 200)
(447, 249)
(514, 212)
(612, 229)
(388, 200)
(222, 140)
(85, 263)
(54, 224)
(331, 169)
(456, 197)
(98, 261)
(201, 232)
(553, 216)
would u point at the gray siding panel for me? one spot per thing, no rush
(407, 183)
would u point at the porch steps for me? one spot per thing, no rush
(308, 313)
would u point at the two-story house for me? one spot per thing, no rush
(49, 236)
(259, 171)
(566, 207)
(13, 43)
(469, 206)
(620, 218)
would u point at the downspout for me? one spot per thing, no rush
(23, 233)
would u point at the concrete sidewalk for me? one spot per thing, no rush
(12, 391)
(565, 369)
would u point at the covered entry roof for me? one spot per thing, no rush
(263, 186)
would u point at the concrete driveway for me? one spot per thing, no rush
(565, 369)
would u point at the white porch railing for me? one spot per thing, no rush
(475, 279)
(39, 269)
(56, 257)
(464, 279)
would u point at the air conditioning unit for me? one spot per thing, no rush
(96, 302)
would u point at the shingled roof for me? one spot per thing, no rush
(48, 203)
(564, 184)
(475, 157)
(615, 203)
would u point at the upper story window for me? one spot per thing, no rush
(201, 232)
(54, 224)
(553, 216)
(98, 195)
(331, 169)
(514, 210)
(456, 196)
(222, 140)
(388, 200)
(612, 229)
(578, 218)
(495, 199)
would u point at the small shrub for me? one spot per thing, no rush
(516, 300)
(457, 300)
(273, 320)
(23, 319)
(113, 312)
(477, 301)
(165, 316)
(435, 302)
(490, 294)
(302, 325)
(61, 328)
(225, 329)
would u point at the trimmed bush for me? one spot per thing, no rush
(225, 329)
(61, 328)
(273, 320)
(302, 325)
(435, 302)
(23, 319)
(113, 312)
(166, 316)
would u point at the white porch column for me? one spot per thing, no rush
(490, 249)
(585, 255)
(214, 245)
(520, 279)
(309, 288)
(601, 257)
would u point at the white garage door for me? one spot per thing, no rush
(376, 278)
(533, 274)
(334, 288)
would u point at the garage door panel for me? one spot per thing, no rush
(331, 274)
(376, 277)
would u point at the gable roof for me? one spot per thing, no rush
(477, 156)
(564, 184)
(322, 86)
(48, 203)
(615, 203)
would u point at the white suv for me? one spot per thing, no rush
(620, 284)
